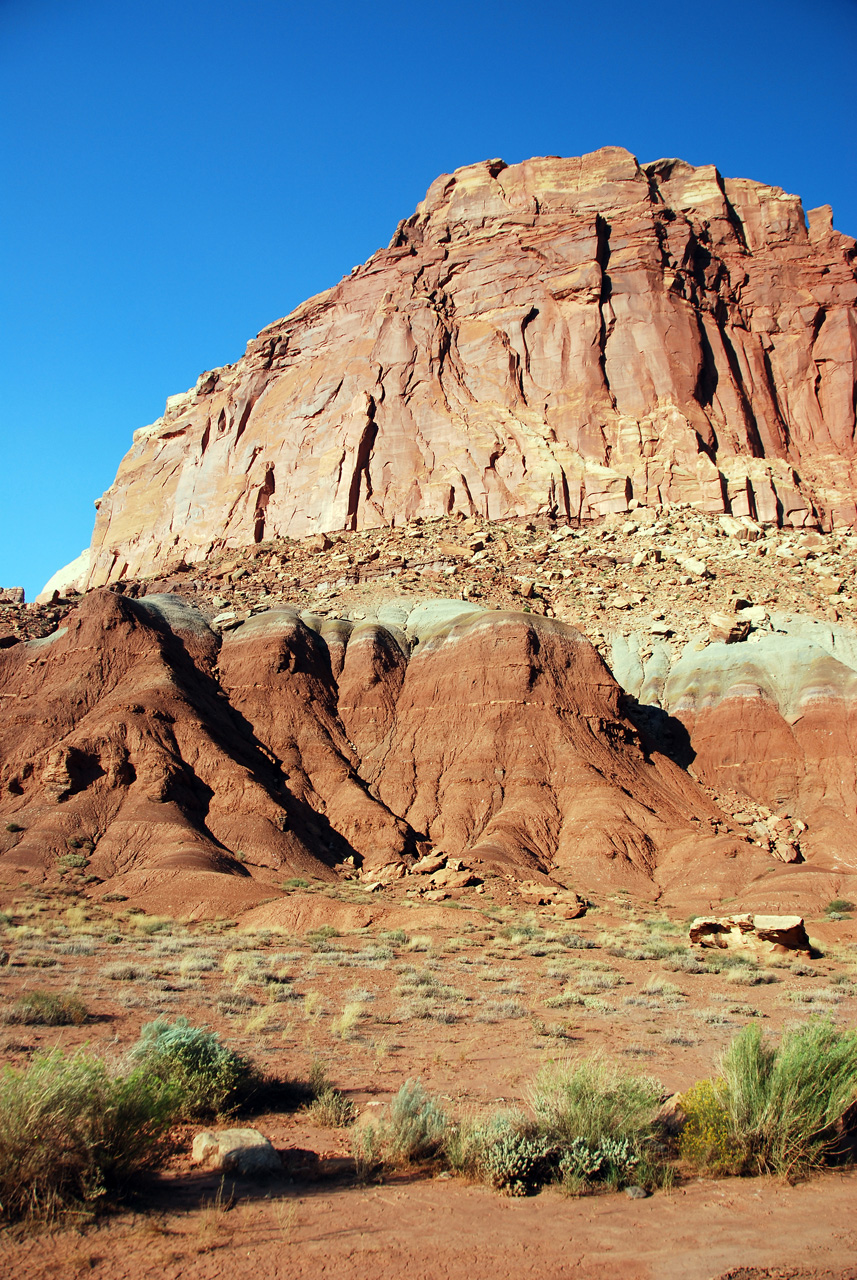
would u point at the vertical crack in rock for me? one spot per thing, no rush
(713, 305)
(268, 487)
(602, 228)
(361, 474)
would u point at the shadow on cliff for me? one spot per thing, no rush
(659, 731)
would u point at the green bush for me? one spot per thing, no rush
(70, 1131)
(515, 1160)
(46, 1009)
(503, 1149)
(208, 1077)
(613, 1161)
(593, 1099)
(783, 1102)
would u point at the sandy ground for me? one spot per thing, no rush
(512, 990)
(443, 1230)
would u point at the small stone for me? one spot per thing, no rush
(637, 1193)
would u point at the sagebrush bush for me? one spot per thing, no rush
(70, 1130)
(412, 1130)
(209, 1078)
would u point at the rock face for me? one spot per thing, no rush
(561, 336)
(140, 744)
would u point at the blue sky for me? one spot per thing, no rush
(176, 175)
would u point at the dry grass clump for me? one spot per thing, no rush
(46, 1009)
(329, 1106)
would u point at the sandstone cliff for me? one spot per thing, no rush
(561, 336)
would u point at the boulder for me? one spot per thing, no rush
(244, 1153)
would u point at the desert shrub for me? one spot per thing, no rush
(783, 1102)
(707, 1139)
(613, 1161)
(70, 1131)
(46, 1009)
(411, 1131)
(331, 1109)
(209, 1078)
(513, 1159)
(840, 906)
(592, 1105)
(772, 1108)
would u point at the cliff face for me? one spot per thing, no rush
(559, 336)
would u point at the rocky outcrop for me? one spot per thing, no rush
(751, 933)
(567, 336)
(138, 744)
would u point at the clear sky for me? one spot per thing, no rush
(176, 174)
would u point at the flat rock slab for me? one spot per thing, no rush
(244, 1152)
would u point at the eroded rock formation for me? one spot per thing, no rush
(561, 335)
(137, 741)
